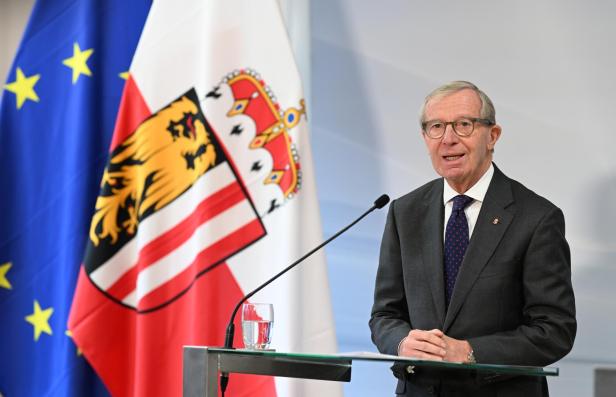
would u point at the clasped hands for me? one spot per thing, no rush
(434, 345)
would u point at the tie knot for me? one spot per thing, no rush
(460, 202)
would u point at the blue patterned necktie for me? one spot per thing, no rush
(456, 241)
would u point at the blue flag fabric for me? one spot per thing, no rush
(57, 116)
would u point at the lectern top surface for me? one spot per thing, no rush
(370, 356)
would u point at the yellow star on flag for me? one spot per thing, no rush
(4, 282)
(78, 62)
(40, 320)
(23, 87)
(124, 75)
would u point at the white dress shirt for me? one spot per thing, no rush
(477, 192)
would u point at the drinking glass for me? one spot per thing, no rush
(257, 323)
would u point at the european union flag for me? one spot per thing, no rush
(57, 116)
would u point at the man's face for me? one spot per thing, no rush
(460, 160)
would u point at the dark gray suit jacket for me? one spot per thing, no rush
(513, 300)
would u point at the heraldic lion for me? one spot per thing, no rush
(163, 157)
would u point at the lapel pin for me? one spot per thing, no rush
(495, 221)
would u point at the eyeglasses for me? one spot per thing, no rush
(463, 127)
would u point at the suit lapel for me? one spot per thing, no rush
(432, 247)
(486, 236)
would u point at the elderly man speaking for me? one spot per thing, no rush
(474, 267)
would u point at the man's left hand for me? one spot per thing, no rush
(456, 350)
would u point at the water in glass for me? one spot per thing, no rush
(257, 322)
(257, 334)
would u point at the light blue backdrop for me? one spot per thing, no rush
(548, 66)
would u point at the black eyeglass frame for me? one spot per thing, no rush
(474, 120)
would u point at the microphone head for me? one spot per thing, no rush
(381, 201)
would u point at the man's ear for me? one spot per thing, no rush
(495, 133)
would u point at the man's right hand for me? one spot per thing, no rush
(425, 345)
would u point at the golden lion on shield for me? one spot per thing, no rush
(163, 157)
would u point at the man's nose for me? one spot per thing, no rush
(450, 137)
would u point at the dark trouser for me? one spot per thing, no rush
(471, 385)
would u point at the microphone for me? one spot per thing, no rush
(378, 204)
(224, 377)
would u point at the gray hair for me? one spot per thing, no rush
(487, 108)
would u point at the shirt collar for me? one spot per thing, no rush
(477, 192)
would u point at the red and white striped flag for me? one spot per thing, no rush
(209, 190)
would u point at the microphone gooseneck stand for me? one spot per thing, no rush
(224, 377)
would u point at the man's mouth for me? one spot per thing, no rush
(453, 157)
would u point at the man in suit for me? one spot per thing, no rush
(474, 267)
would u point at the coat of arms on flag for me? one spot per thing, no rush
(171, 207)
